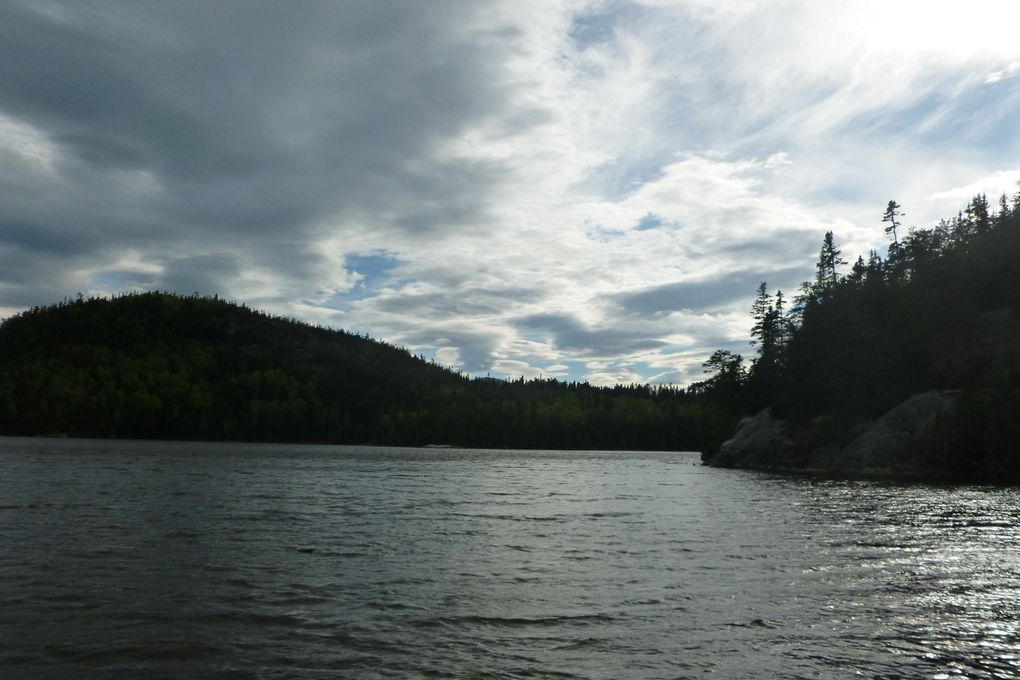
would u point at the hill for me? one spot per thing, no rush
(156, 365)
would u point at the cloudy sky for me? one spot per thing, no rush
(583, 190)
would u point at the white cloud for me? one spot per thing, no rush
(26, 143)
(448, 356)
(516, 369)
(1007, 72)
(617, 376)
(1002, 182)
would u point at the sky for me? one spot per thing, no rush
(571, 189)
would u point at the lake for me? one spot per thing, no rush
(155, 559)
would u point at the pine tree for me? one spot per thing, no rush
(892, 216)
(978, 213)
(782, 323)
(829, 262)
(858, 271)
(759, 310)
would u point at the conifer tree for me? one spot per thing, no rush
(892, 216)
(781, 321)
(829, 262)
(978, 213)
(759, 311)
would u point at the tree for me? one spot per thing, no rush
(979, 213)
(780, 322)
(726, 368)
(829, 262)
(768, 334)
(759, 311)
(892, 216)
(1004, 210)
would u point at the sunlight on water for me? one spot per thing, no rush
(126, 559)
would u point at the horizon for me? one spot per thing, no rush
(587, 191)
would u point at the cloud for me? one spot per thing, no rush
(706, 294)
(197, 273)
(1002, 182)
(511, 187)
(569, 334)
(1008, 72)
(516, 369)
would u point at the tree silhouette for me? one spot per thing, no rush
(892, 216)
(829, 262)
(759, 312)
(979, 213)
(724, 365)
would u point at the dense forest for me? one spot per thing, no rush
(940, 312)
(157, 365)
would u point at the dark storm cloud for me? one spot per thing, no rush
(202, 273)
(699, 296)
(40, 238)
(461, 303)
(569, 334)
(252, 123)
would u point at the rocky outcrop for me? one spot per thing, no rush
(760, 442)
(911, 440)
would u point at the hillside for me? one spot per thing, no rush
(908, 365)
(156, 365)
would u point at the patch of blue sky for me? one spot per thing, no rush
(593, 28)
(649, 221)
(622, 176)
(374, 270)
(980, 117)
(985, 119)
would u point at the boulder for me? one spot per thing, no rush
(760, 442)
(912, 438)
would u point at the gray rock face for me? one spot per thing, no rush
(912, 438)
(760, 442)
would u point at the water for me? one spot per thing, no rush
(134, 559)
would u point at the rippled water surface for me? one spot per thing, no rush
(125, 559)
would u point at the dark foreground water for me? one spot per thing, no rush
(132, 559)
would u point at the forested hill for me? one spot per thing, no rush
(909, 363)
(156, 365)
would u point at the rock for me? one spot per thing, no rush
(912, 438)
(760, 442)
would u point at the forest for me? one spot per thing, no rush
(163, 366)
(940, 312)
